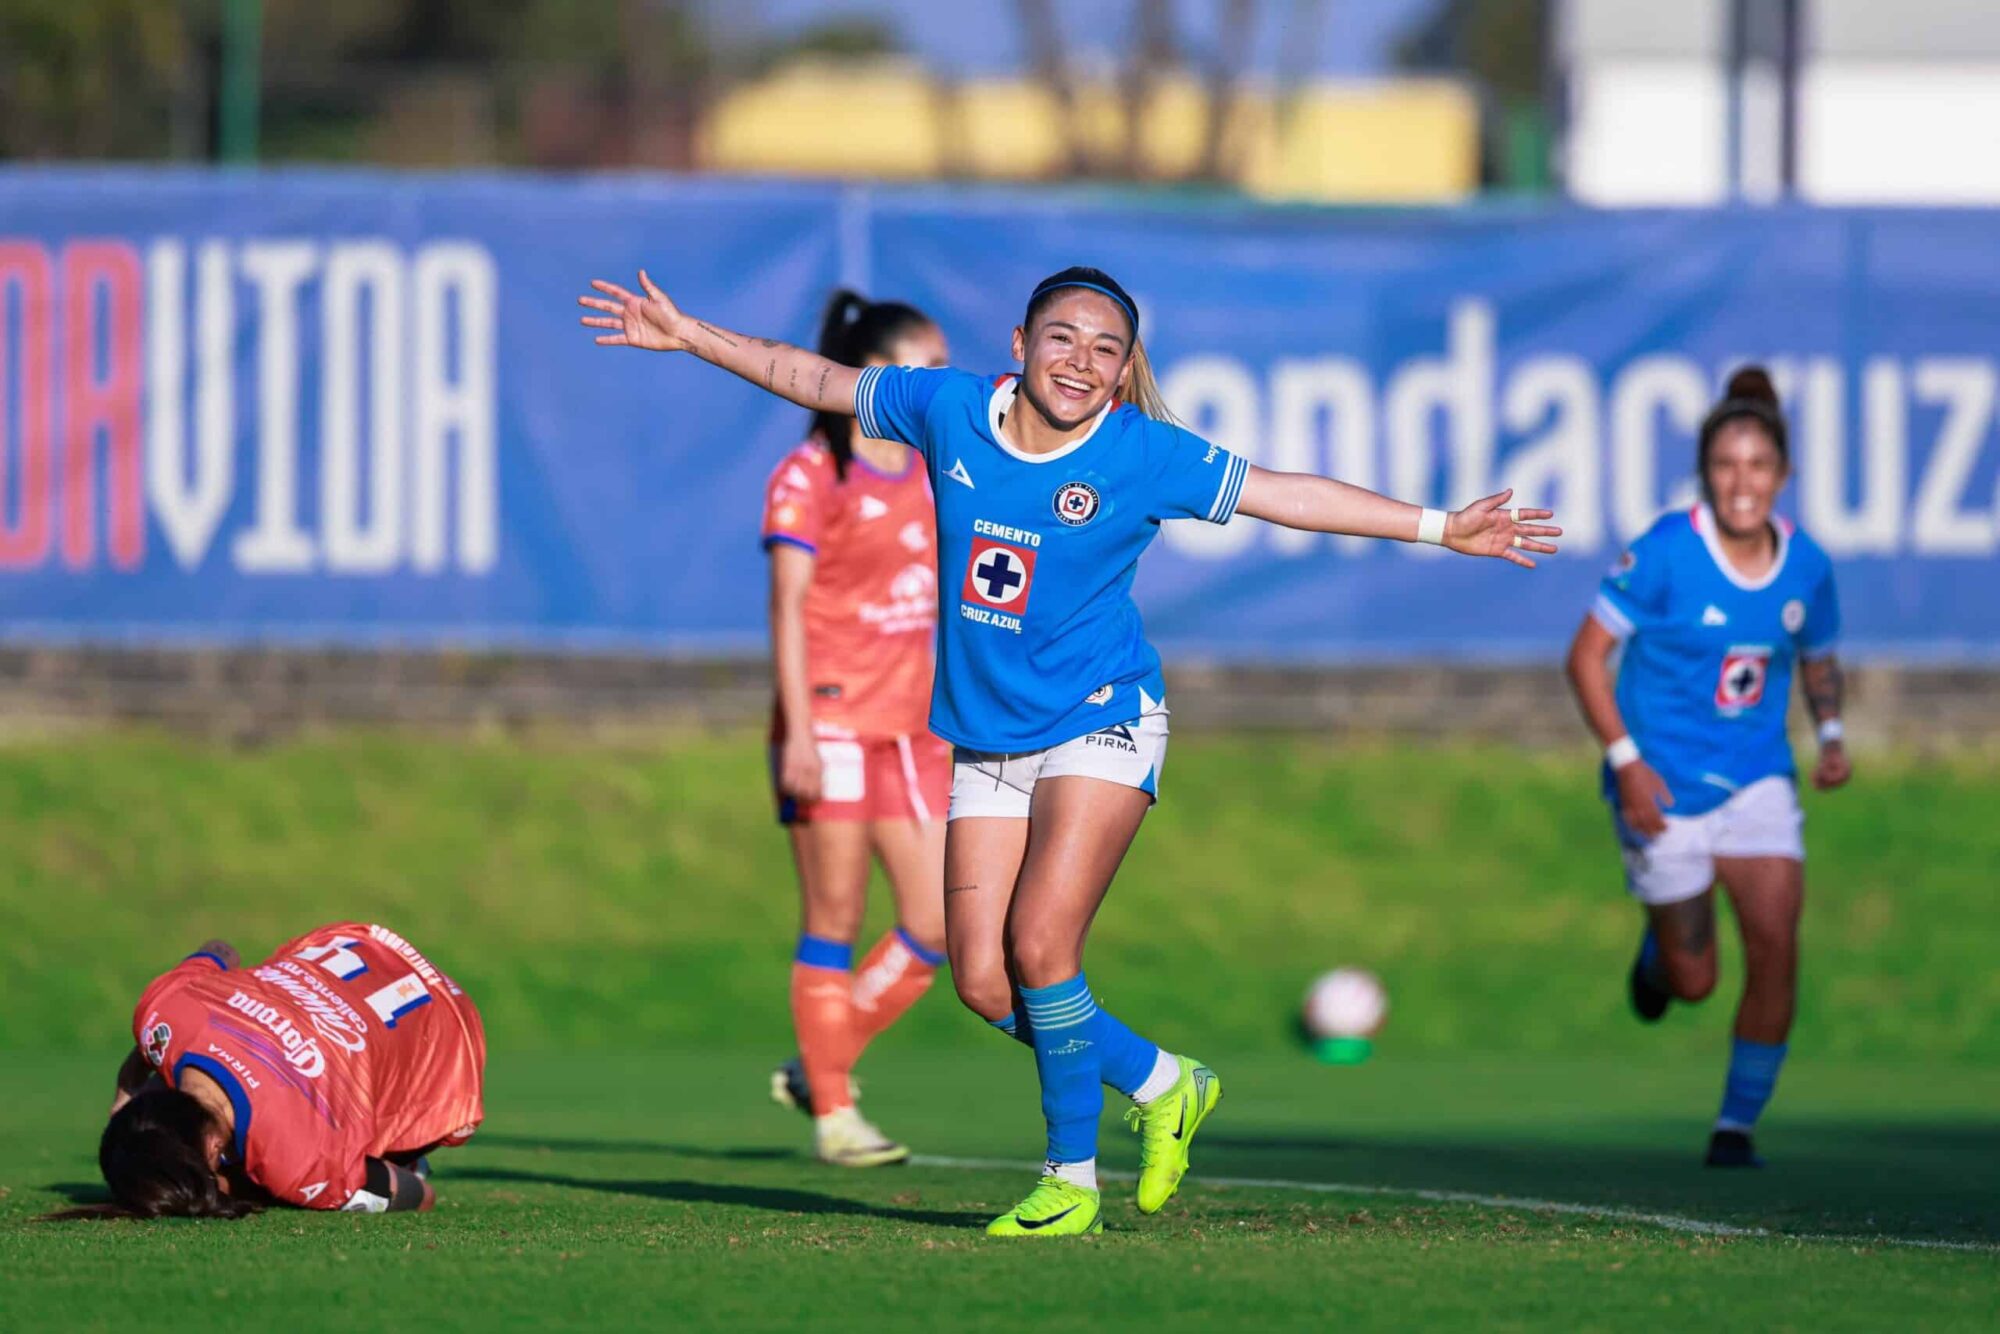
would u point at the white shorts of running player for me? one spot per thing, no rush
(1130, 754)
(1760, 820)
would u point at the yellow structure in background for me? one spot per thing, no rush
(1394, 142)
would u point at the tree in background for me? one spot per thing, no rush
(1503, 46)
(1153, 52)
(433, 82)
(98, 78)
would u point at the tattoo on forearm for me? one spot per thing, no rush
(716, 334)
(771, 374)
(819, 394)
(959, 889)
(1823, 689)
(768, 343)
(792, 382)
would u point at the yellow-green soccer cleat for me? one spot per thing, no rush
(1166, 1127)
(1054, 1208)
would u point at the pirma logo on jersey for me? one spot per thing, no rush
(300, 1049)
(1076, 503)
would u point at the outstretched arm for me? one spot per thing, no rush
(655, 323)
(1323, 505)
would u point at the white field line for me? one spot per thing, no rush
(1616, 1213)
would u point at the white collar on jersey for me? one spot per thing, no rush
(1003, 399)
(1704, 523)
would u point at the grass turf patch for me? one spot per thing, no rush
(620, 897)
(616, 1189)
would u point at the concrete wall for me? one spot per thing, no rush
(249, 695)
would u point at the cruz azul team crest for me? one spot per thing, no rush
(998, 576)
(1076, 503)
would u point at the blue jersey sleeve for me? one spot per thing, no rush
(1633, 591)
(1820, 635)
(891, 402)
(1191, 478)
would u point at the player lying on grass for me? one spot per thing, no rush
(318, 1078)
(1714, 605)
(1049, 484)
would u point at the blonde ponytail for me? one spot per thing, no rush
(1142, 389)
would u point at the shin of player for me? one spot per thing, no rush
(1714, 607)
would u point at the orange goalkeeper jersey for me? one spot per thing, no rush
(871, 611)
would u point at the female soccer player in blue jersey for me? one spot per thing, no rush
(1049, 483)
(1713, 605)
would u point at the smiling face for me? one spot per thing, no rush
(1743, 476)
(1074, 357)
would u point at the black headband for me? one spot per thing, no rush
(1059, 282)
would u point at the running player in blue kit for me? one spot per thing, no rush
(1713, 606)
(1049, 483)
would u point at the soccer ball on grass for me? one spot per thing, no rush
(1343, 1012)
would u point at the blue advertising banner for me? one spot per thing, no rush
(356, 408)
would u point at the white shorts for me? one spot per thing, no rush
(1761, 820)
(1130, 754)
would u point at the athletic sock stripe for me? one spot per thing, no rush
(1061, 1011)
(1054, 1013)
(1039, 1005)
(1067, 1018)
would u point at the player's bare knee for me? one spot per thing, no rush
(1042, 961)
(1691, 978)
(985, 992)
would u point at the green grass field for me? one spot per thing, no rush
(623, 915)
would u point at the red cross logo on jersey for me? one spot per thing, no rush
(999, 575)
(1741, 683)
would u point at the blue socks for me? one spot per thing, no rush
(1125, 1060)
(1650, 966)
(1016, 1027)
(819, 952)
(1753, 1074)
(1078, 1048)
(931, 958)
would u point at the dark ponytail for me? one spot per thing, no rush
(854, 330)
(154, 1156)
(1752, 397)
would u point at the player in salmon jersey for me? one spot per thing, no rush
(852, 540)
(1714, 606)
(318, 1078)
(1049, 485)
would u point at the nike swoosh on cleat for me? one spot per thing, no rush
(1034, 1224)
(1180, 1129)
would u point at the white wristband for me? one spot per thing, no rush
(1621, 752)
(1430, 527)
(1831, 731)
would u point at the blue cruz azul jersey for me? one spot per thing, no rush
(1707, 674)
(1038, 639)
